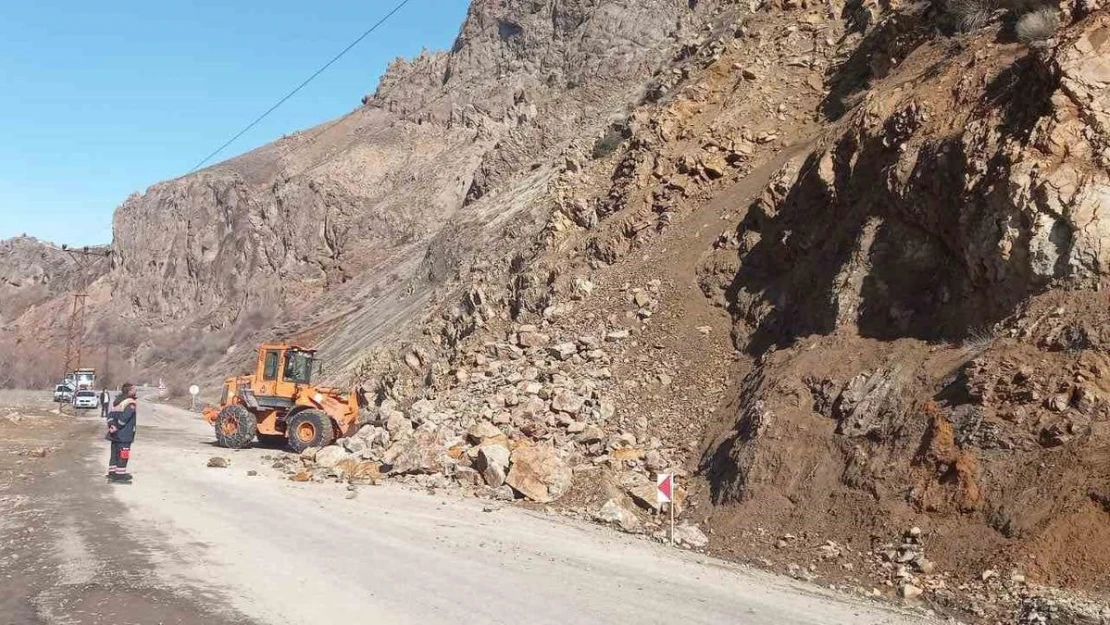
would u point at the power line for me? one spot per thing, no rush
(292, 93)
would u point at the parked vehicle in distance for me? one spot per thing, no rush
(86, 400)
(63, 394)
(82, 379)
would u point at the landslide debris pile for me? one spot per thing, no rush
(519, 417)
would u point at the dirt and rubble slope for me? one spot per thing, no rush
(896, 292)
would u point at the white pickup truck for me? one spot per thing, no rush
(63, 394)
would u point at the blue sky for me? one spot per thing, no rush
(102, 99)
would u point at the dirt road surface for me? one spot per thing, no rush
(191, 544)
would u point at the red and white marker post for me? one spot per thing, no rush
(664, 493)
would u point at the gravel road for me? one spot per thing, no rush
(193, 544)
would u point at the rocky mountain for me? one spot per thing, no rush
(32, 272)
(354, 223)
(838, 266)
(36, 283)
(355, 198)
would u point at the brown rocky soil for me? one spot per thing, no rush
(840, 270)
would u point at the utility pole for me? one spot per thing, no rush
(75, 332)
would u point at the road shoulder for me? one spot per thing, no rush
(68, 557)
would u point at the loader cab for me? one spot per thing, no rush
(282, 368)
(299, 365)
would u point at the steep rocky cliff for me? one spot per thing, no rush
(346, 203)
(351, 225)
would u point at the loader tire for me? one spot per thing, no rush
(235, 427)
(310, 428)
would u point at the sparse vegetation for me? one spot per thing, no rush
(1038, 25)
(1035, 20)
(979, 339)
(969, 15)
(610, 141)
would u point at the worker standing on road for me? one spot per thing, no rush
(121, 431)
(105, 400)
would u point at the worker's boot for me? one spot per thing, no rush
(117, 478)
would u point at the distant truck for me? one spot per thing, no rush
(83, 379)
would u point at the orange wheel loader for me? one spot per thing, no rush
(279, 402)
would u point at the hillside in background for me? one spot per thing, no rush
(838, 266)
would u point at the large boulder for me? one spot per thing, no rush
(562, 351)
(532, 406)
(690, 536)
(493, 463)
(644, 494)
(354, 445)
(532, 339)
(539, 474)
(397, 424)
(373, 437)
(330, 456)
(358, 471)
(423, 452)
(567, 401)
(592, 434)
(486, 433)
(614, 513)
(468, 476)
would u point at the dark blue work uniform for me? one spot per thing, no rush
(121, 431)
